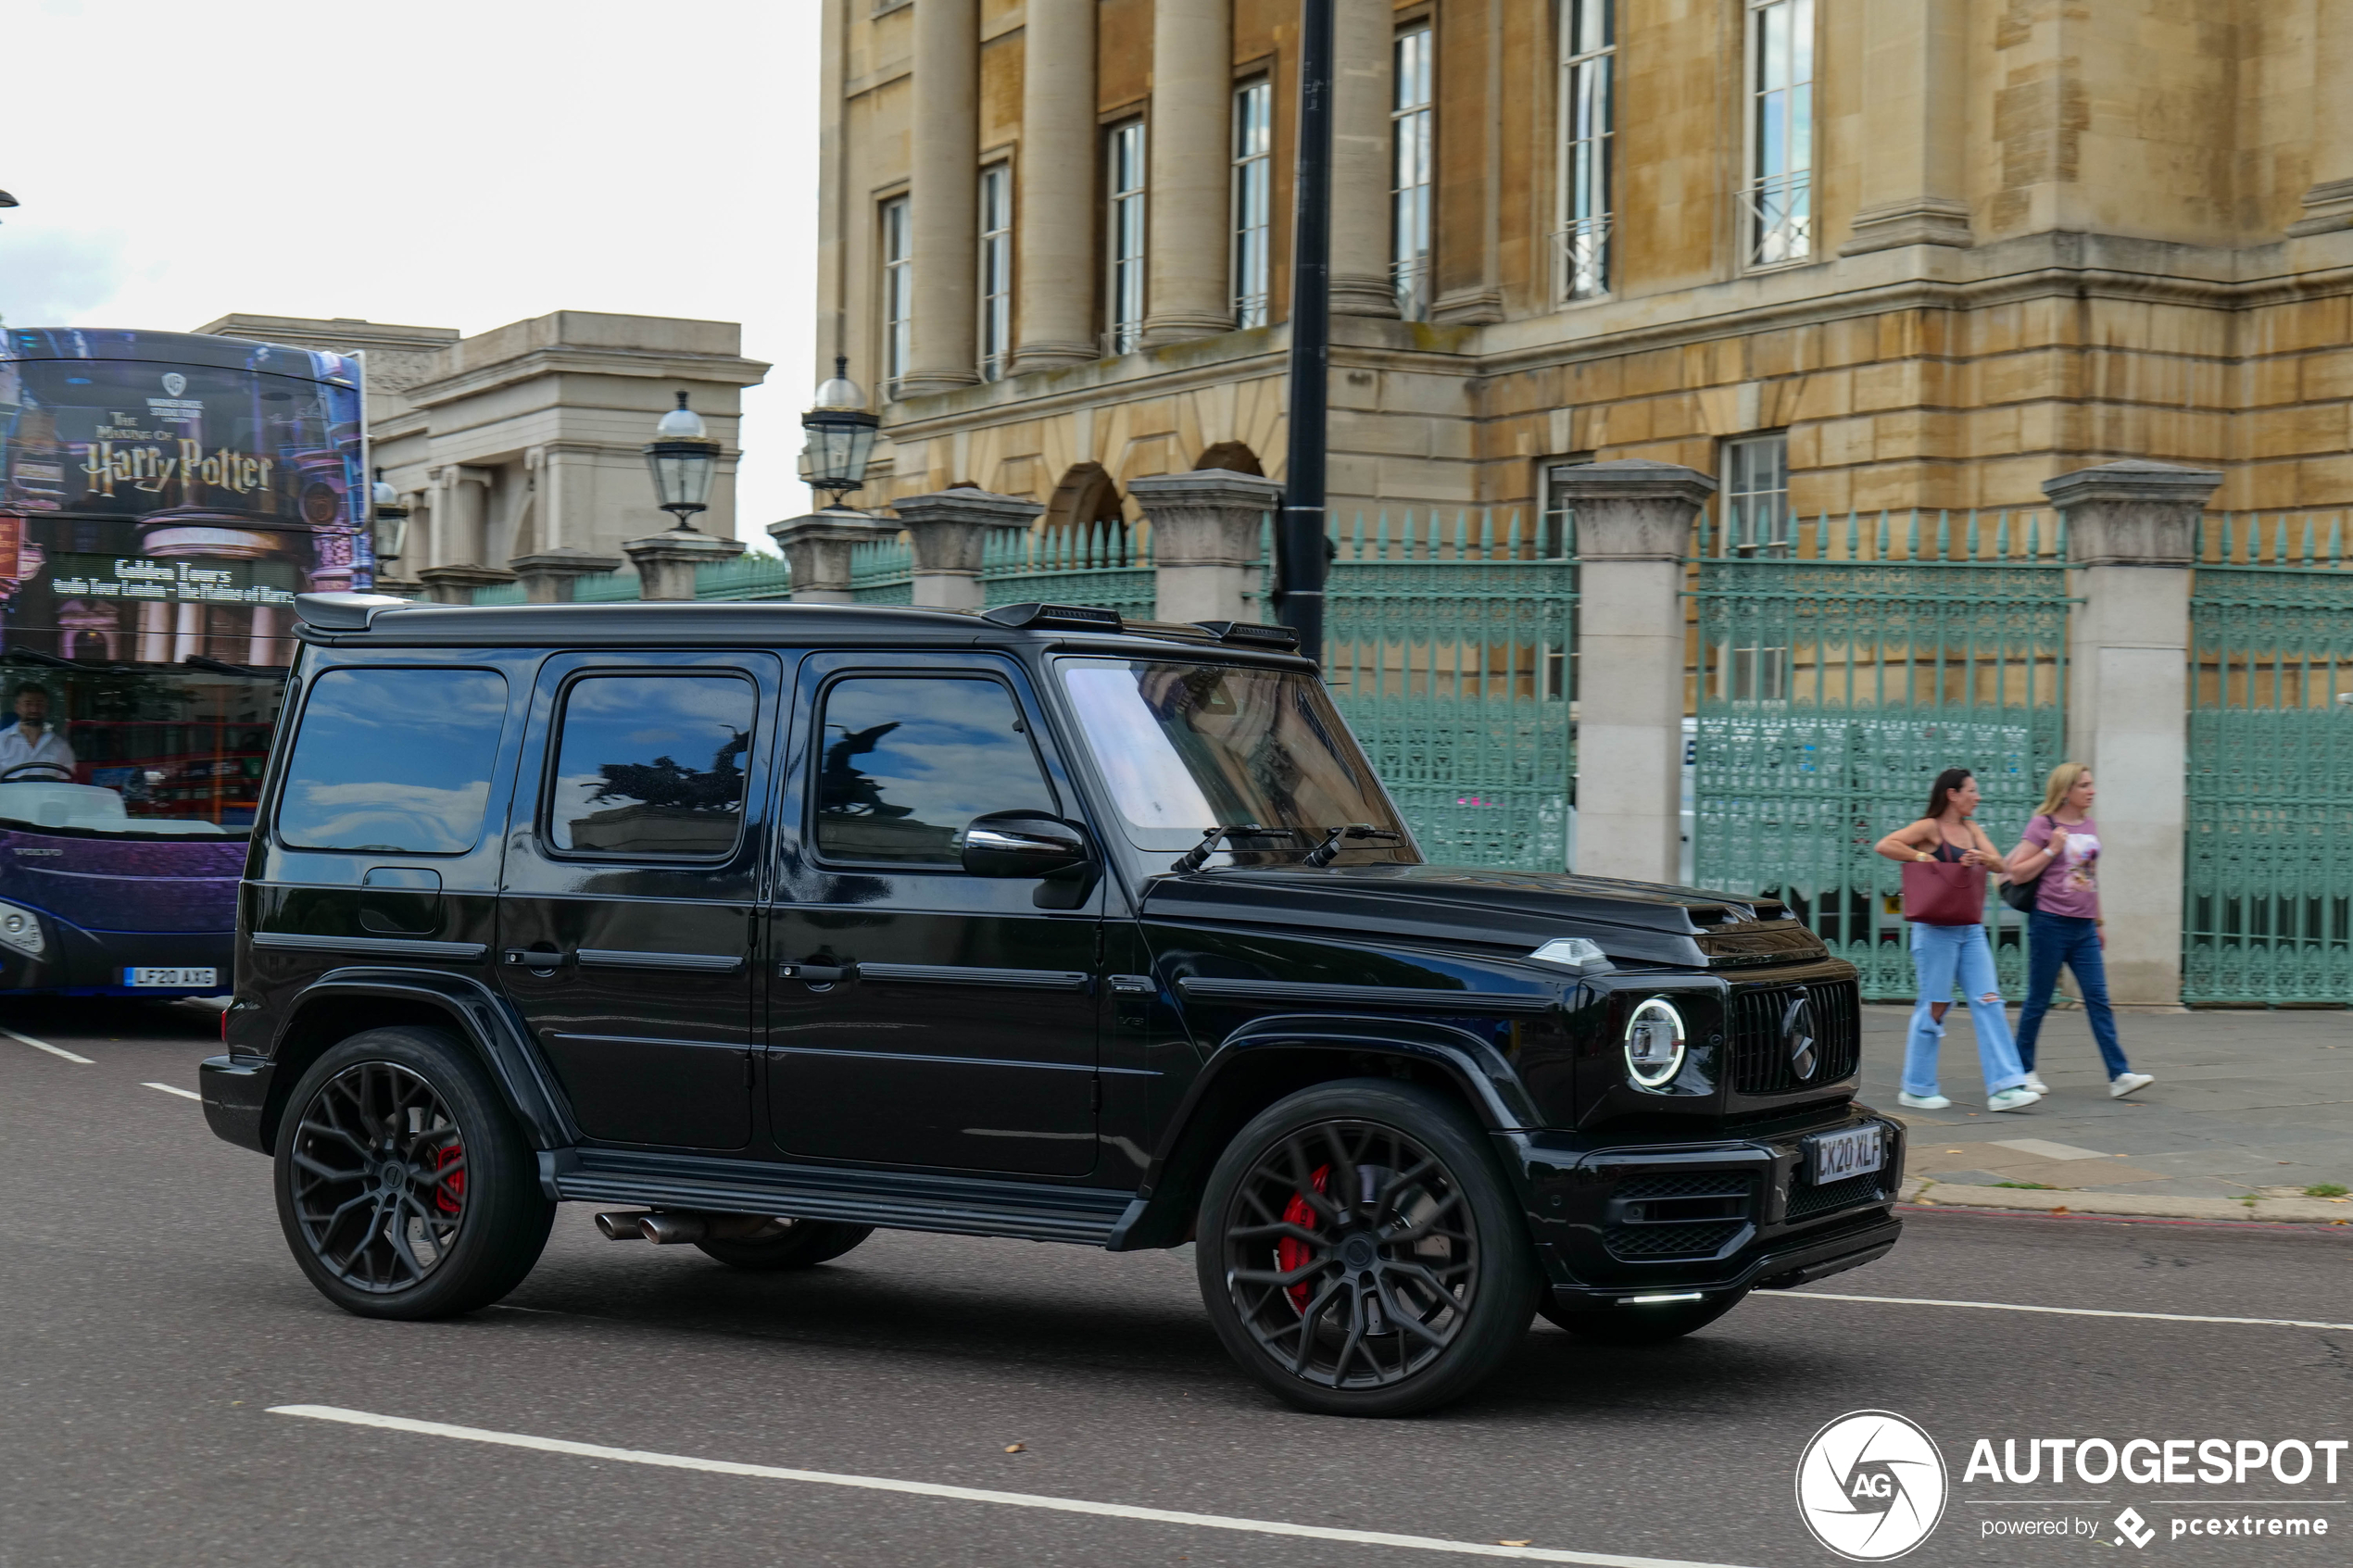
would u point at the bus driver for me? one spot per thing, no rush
(29, 739)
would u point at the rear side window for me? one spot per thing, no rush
(908, 763)
(652, 766)
(394, 762)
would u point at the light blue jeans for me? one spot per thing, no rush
(1943, 954)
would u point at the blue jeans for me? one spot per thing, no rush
(2075, 942)
(1943, 954)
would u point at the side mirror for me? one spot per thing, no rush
(1022, 844)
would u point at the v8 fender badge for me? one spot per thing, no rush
(1871, 1485)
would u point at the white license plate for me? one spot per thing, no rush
(1834, 1156)
(172, 979)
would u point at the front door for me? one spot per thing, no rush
(626, 921)
(917, 1015)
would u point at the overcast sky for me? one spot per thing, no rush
(448, 163)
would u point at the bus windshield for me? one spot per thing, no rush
(160, 752)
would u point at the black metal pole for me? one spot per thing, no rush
(1299, 538)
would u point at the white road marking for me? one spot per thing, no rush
(166, 1088)
(974, 1494)
(2057, 1312)
(2048, 1150)
(45, 1046)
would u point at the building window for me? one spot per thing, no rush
(1123, 317)
(1588, 127)
(1254, 199)
(1410, 129)
(996, 270)
(897, 296)
(1781, 134)
(1757, 496)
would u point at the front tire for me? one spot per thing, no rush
(1359, 1252)
(1640, 1325)
(792, 1244)
(404, 1188)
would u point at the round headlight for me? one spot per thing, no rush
(1653, 1044)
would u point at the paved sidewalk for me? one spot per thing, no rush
(2245, 1105)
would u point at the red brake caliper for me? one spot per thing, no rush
(450, 1196)
(1292, 1253)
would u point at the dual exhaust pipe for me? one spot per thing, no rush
(667, 1229)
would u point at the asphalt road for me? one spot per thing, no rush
(150, 1321)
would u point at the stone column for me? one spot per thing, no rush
(1206, 526)
(943, 197)
(1364, 48)
(456, 584)
(817, 550)
(1189, 152)
(549, 575)
(2328, 204)
(2131, 535)
(949, 531)
(460, 518)
(666, 562)
(1913, 135)
(1633, 531)
(1054, 286)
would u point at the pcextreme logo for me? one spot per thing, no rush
(1871, 1485)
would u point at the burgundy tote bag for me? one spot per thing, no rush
(1944, 893)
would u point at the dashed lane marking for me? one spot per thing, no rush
(2056, 1312)
(45, 1046)
(183, 1093)
(974, 1494)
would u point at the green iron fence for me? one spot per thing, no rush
(2268, 864)
(1841, 665)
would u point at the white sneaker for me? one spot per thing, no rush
(2125, 1083)
(1922, 1102)
(2034, 1082)
(2012, 1099)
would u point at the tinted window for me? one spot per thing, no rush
(908, 763)
(394, 761)
(652, 765)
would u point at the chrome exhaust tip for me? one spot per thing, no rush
(622, 1227)
(670, 1230)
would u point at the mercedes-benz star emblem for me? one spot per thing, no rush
(1797, 1034)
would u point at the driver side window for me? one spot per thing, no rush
(908, 761)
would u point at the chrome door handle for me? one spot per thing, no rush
(818, 973)
(533, 958)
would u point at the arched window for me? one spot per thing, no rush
(1234, 457)
(1086, 495)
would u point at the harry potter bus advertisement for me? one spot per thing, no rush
(164, 496)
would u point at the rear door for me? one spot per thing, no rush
(633, 861)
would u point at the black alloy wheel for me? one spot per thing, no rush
(1359, 1253)
(404, 1188)
(786, 1244)
(1645, 1324)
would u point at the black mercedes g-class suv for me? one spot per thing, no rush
(765, 925)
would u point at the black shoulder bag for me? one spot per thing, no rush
(2020, 895)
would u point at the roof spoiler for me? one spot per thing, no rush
(1072, 618)
(342, 612)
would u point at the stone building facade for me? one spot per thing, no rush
(1837, 252)
(529, 439)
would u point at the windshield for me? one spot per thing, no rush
(162, 752)
(1186, 747)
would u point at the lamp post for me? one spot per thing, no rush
(389, 520)
(683, 459)
(841, 437)
(1299, 538)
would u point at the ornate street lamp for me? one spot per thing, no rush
(841, 436)
(390, 520)
(683, 458)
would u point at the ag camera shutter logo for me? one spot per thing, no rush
(1871, 1485)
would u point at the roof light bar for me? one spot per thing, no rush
(1251, 632)
(1076, 618)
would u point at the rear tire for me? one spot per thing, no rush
(1359, 1252)
(404, 1188)
(798, 1244)
(1640, 1325)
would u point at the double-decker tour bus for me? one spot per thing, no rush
(163, 497)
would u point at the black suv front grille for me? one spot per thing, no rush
(1761, 1062)
(1807, 1200)
(1679, 1215)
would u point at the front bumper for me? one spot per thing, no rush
(79, 962)
(236, 1092)
(1730, 1214)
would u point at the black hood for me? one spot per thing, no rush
(1641, 923)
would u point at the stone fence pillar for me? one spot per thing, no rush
(456, 584)
(817, 549)
(1205, 533)
(549, 576)
(949, 531)
(1633, 533)
(2132, 537)
(666, 562)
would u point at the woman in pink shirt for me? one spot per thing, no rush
(2063, 849)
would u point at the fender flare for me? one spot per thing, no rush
(1496, 1096)
(481, 1018)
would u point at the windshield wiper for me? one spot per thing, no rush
(1198, 855)
(1324, 854)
